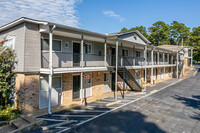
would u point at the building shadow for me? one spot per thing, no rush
(119, 122)
(193, 102)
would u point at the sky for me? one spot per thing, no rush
(103, 16)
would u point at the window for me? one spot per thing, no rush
(56, 45)
(137, 53)
(124, 52)
(56, 83)
(66, 44)
(106, 77)
(88, 48)
(147, 54)
(9, 42)
(160, 55)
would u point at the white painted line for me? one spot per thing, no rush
(120, 106)
(88, 111)
(51, 119)
(100, 107)
(60, 127)
(74, 115)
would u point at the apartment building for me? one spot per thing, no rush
(57, 64)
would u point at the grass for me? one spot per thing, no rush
(8, 113)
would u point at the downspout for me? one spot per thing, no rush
(50, 66)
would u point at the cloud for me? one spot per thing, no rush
(58, 11)
(113, 15)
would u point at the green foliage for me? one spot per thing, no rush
(179, 31)
(195, 42)
(141, 29)
(7, 114)
(159, 33)
(6, 76)
(124, 29)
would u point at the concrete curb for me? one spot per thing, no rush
(112, 103)
(29, 127)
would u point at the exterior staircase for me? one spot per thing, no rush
(124, 73)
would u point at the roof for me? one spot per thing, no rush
(24, 19)
(174, 47)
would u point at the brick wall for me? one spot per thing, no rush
(67, 87)
(97, 83)
(27, 92)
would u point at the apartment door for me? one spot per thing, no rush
(137, 76)
(76, 54)
(87, 86)
(76, 86)
(113, 57)
(56, 91)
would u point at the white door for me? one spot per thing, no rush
(161, 73)
(107, 82)
(56, 91)
(87, 89)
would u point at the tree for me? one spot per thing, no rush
(159, 33)
(6, 75)
(179, 31)
(124, 29)
(195, 42)
(141, 29)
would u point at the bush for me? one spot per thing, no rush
(7, 114)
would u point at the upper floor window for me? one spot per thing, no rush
(148, 54)
(124, 52)
(56, 45)
(88, 48)
(10, 42)
(137, 53)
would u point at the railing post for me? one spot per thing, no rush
(168, 58)
(105, 53)
(163, 58)
(117, 43)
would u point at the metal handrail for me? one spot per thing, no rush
(130, 65)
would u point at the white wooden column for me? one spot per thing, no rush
(177, 62)
(163, 58)
(82, 42)
(50, 67)
(168, 58)
(152, 66)
(191, 57)
(164, 65)
(82, 64)
(105, 53)
(145, 67)
(116, 67)
(172, 60)
(158, 58)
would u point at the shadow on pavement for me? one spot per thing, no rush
(193, 102)
(119, 122)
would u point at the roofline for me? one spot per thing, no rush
(21, 20)
(128, 32)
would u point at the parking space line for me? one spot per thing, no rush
(74, 115)
(88, 111)
(51, 119)
(115, 108)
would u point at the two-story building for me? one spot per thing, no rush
(58, 64)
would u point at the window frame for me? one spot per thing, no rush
(10, 37)
(127, 52)
(52, 45)
(85, 44)
(138, 52)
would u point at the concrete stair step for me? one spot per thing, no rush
(19, 122)
(29, 119)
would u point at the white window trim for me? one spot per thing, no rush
(11, 37)
(52, 47)
(91, 48)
